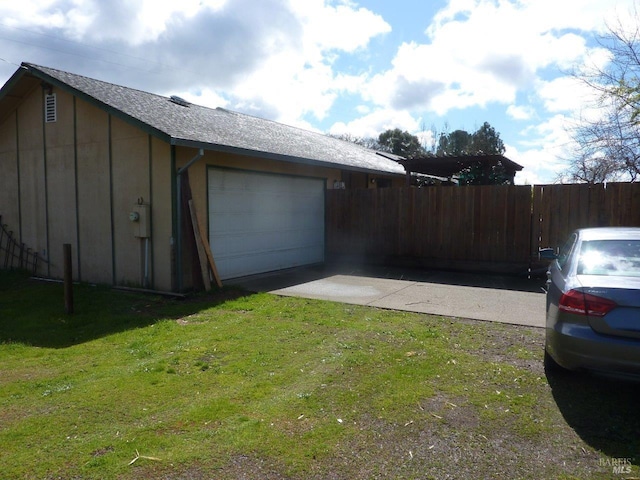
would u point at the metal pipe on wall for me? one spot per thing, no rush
(146, 262)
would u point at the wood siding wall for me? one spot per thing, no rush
(497, 228)
(75, 181)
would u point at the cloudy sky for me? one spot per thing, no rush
(339, 66)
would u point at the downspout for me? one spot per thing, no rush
(181, 170)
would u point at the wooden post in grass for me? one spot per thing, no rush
(68, 279)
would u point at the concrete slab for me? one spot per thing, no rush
(518, 301)
(506, 306)
(346, 288)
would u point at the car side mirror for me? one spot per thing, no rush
(547, 254)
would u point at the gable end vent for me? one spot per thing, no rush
(50, 113)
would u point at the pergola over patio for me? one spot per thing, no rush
(446, 166)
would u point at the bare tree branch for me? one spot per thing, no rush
(608, 149)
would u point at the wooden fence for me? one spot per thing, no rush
(497, 228)
(15, 255)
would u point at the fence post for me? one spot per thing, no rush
(8, 251)
(68, 279)
(21, 256)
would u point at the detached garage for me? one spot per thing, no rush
(139, 184)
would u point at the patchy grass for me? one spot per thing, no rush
(257, 386)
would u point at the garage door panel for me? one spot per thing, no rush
(284, 254)
(239, 255)
(259, 262)
(263, 222)
(264, 231)
(247, 242)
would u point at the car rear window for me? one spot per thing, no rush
(610, 257)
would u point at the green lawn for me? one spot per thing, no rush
(234, 385)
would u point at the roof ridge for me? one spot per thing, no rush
(43, 69)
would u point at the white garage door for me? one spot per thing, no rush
(261, 222)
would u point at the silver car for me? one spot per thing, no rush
(593, 302)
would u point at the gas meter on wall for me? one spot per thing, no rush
(140, 218)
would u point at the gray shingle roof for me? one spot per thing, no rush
(217, 129)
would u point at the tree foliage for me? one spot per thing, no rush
(608, 148)
(400, 143)
(487, 141)
(455, 143)
(484, 141)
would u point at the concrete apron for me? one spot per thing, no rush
(479, 303)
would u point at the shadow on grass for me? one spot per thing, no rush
(602, 411)
(32, 311)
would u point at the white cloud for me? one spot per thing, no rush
(129, 21)
(543, 154)
(551, 133)
(300, 79)
(544, 15)
(272, 58)
(206, 98)
(540, 165)
(483, 51)
(297, 78)
(521, 112)
(565, 94)
(28, 13)
(342, 27)
(376, 122)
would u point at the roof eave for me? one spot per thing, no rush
(215, 147)
(15, 78)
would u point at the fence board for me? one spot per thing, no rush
(481, 225)
(15, 254)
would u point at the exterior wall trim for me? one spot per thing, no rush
(18, 173)
(46, 185)
(111, 206)
(151, 241)
(77, 194)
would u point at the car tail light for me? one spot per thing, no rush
(580, 303)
